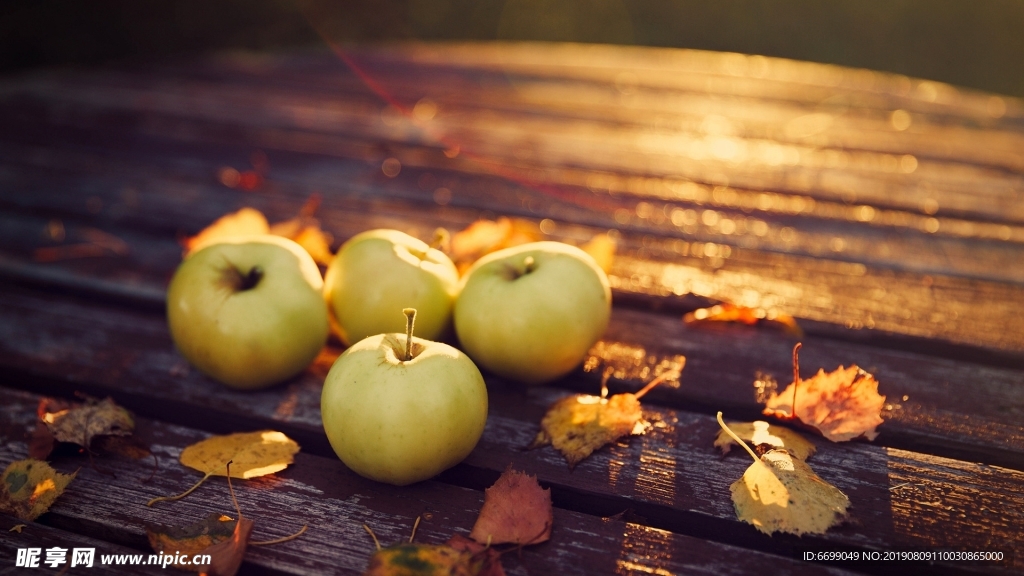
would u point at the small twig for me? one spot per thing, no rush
(415, 525)
(650, 386)
(280, 540)
(796, 374)
(372, 535)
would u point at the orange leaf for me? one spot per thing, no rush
(515, 510)
(241, 223)
(841, 405)
(226, 557)
(744, 315)
(484, 558)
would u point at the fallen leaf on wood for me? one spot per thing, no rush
(744, 315)
(18, 528)
(841, 405)
(30, 487)
(191, 540)
(81, 423)
(226, 556)
(780, 493)
(488, 558)
(765, 437)
(251, 454)
(485, 236)
(422, 560)
(244, 222)
(41, 442)
(602, 249)
(516, 510)
(578, 425)
(128, 447)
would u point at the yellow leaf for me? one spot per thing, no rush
(761, 434)
(18, 528)
(251, 454)
(780, 493)
(244, 222)
(579, 424)
(422, 560)
(602, 248)
(30, 487)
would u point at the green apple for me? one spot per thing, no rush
(401, 413)
(248, 311)
(531, 312)
(378, 273)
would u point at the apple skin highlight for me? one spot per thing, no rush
(531, 312)
(248, 337)
(402, 421)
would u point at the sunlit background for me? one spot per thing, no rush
(975, 44)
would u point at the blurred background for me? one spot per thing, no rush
(976, 43)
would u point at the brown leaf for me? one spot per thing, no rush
(744, 315)
(226, 556)
(30, 487)
(515, 510)
(580, 424)
(18, 528)
(191, 540)
(841, 405)
(129, 447)
(79, 424)
(765, 437)
(488, 558)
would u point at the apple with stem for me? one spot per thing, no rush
(248, 311)
(378, 273)
(531, 312)
(403, 409)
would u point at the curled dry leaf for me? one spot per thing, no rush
(423, 560)
(765, 437)
(251, 454)
(30, 487)
(744, 315)
(226, 556)
(780, 493)
(841, 405)
(191, 540)
(79, 424)
(516, 510)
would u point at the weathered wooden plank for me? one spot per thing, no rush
(958, 310)
(335, 503)
(36, 535)
(680, 484)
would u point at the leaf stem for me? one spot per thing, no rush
(736, 438)
(415, 525)
(410, 320)
(372, 535)
(179, 496)
(796, 374)
(232, 491)
(280, 540)
(653, 383)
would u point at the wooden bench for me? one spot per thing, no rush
(885, 213)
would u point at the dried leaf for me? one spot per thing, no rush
(780, 493)
(488, 558)
(18, 528)
(128, 447)
(80, 424)
(515, 510)
(30, 487)
(766, 437)
(226, 556)
(744, 315)
(602, 249)
(251, 454)
(42, 442)
(191, 540)
(579, 424)
(241, 223)
(422, 560)
(841, 405)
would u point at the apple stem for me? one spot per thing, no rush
(796, 374)
(529, 264)
(410, 320)
(441, 238)
(737, 438)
